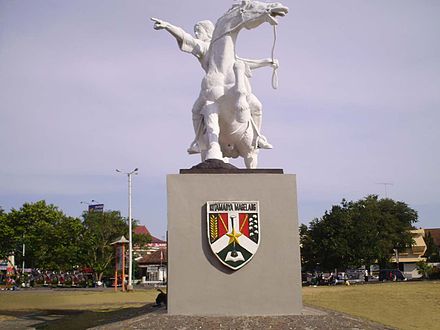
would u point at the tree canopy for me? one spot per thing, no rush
(432, 251)
(357, 233)
(101, 229)
(7, 239)
(51, 238)
(55, 241)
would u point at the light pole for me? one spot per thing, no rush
(397, 257)
(130, 236)
(24, 255)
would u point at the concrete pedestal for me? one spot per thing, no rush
(198, 283)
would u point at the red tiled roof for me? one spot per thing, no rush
(157, 257)
(142, 230)
(156, 240)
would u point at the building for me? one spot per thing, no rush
(153, 267)
(151, 258)
(7, 270)
(155, 244)
(408, 258)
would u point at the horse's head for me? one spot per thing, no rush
(249, 14)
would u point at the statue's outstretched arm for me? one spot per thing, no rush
(255, 64)
(175, 31)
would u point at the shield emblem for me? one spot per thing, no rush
(233, 231)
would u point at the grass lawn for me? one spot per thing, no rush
(403, 305)
(56, 309)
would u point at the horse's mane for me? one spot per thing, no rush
(231, 12)
(226, 17)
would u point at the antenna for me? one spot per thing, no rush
(385, 184)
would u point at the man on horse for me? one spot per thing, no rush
(199, 47)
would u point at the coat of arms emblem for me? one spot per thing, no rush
(233, 231)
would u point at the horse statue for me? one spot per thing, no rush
(228, 129)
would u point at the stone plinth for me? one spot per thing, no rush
(198, 283)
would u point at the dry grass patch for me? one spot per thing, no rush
(71, 309)
(74, 299)
(403, 305)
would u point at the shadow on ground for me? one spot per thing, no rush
(72, 319)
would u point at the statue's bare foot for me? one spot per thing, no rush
(263, 144)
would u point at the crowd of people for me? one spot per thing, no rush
(13, 279)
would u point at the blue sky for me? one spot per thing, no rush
(88, 86)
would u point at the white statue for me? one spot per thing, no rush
(226, 115)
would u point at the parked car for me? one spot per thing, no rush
(391, 275)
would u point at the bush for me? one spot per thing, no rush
(435, 273)
(424, 269)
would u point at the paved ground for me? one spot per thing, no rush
(149, 317)
(311, 319)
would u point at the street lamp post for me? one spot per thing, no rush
(24, 255)
(130, 230)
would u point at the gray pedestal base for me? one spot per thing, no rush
(198, 284)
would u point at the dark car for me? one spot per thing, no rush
(391, 275)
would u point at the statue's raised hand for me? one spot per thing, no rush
(275, 64)
(159, 24)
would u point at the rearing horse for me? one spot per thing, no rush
(229, 127)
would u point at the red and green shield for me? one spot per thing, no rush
(233, 231)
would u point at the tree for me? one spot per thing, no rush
(424, 269)
(308, 260)
(432, 251)
(50, 237)
(359, 233)
(7, 239)
(140, 239)
(330, 238)
(69, 254)
(101, 229)
(394, 226)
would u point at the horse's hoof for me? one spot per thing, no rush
(262, 144)
(194, 149)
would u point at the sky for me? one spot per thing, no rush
(89, 86)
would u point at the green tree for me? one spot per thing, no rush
(140, 239)
(359, 233)
(394, 225)
(69, 254)
(308, 260)
(101, 229)
(49, 235)
(330, 238)
(380, 225)
(7, 237)
(432, 251)
(424, 268)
